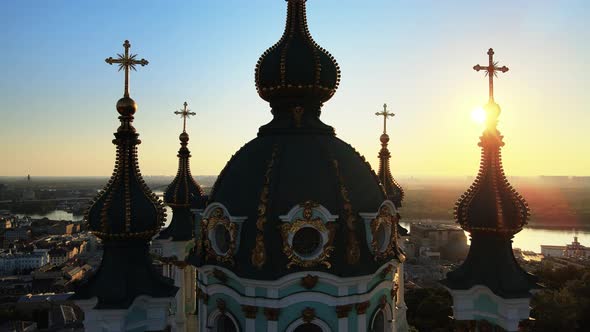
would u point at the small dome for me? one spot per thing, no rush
(296, 67)
(183, 191)
(126, 106)
(183, 137)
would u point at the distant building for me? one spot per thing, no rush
(15, 262)
(437, 241)
(573, 250)
(58, 256)
(15, 234)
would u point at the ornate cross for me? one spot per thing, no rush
(385, 114)
(491, 71)
(184, 114)
(126, 61)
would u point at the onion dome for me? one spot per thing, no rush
(184, 191)
(126, 214)
(296, 66)
(491, 204)
(126, 207)
(296, 162)
(183, 194)
(492, 211)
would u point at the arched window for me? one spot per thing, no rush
(378, 323)
(308, 327)
(224, 323)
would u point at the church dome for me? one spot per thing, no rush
(296, 198)
(296, 66)
(276, 173)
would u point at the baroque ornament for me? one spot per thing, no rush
(288, 230)
(218, 218)
(259, 253)
(387, 220)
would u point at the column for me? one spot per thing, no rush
(342, 312)
(361, 310)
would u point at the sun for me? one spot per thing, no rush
(478, 115)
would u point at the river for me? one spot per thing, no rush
(532, 238)
(528, 239)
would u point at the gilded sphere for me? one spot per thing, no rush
(183, 137)
(126, 106)
(384, 138)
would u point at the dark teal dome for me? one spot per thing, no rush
(296, 66)
(318, 168)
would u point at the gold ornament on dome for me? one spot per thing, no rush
(353, 251)
(289, 230)
(258, 256)
(384, 219)
(208, 226)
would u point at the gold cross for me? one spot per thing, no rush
(385, 114)
(491, 72)
(126, 61)
(184, 114)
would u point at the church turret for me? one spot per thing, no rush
(393, 190)
(125, 215)
(492, 211)
(298, 234)
(183, 194)
(186, 198)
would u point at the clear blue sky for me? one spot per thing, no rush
(57, 94)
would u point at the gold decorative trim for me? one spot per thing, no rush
(216, 218)
(385, 218)
(258, 256)
(353, 252)
(289, 229)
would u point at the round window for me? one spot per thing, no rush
(307, 242)
(222, 239)
(381, 237)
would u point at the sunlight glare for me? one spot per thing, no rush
(478, 115)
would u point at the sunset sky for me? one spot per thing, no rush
(57, 95)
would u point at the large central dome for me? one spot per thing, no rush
(295, 161)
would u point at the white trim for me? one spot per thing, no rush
(295, 298)
(325, 214)
(213, 206)
(316, 321)
(295, 278)
(509, 313)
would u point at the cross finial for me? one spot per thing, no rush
(385, 114)
(184, 114)
(126, 61)
(491, 72)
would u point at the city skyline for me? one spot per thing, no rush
(58, 95)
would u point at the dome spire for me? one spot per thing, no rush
(393, 190)
(183, 191)
(125, 215)
(491, 204)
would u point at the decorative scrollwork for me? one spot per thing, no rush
(218, 218)
(327, 231)
(385, 219)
